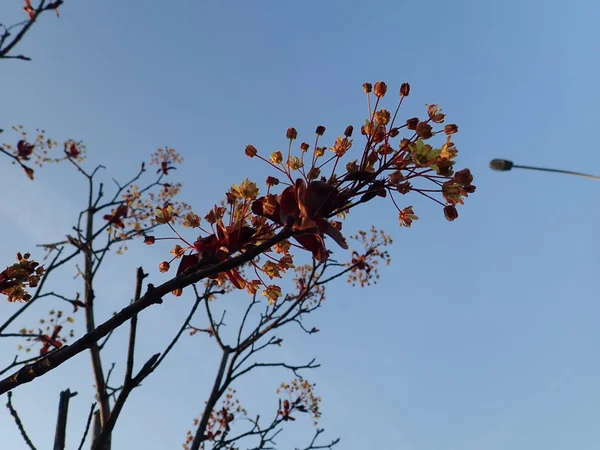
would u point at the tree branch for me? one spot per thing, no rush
(153, 296)
(15, 415)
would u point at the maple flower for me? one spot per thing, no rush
(250, 151)
(380, 89)
(164, 214)
(272, 293)
(71, 150)
(24, 149)
(247, 190)
(404, 89)
(406, 216)
(305, 208)
(54, 5)
(450, 212)
(51, 340)
(116, 218)
(29, 9)
(285, 411)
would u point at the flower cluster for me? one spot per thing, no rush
(37, 149)
(364, 267)
(317, 187)
(220, 420)
(300, 397)
(136, 212)
(51, 334)
(32, 12)
(16, 278)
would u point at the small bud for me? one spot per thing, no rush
(451, 128)
(191, 220)
(367, 88)
(320, 130)
(348, 131)
(291, 133)
(450, 212)
(313, 173)
(149, 240)
(404, 90)
(380, 89)
(382, 117)
(250, 151)
(276, 157)
(394, 132)
(396, 177)
(272, 181)
(164, 266)
(411, 124)
(424, 130)
(304, 147)
(463, 177)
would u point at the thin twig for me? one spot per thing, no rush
(15, 415)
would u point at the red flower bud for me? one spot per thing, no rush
(291, 133)
(380, 89)
(450, 212)
(404, 90)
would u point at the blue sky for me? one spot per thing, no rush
(482, 334)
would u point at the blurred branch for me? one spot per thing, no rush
(61, 422)
(87, 426)
(15, 415)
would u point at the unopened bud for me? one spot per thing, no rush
(451, 128)
(291, 133)
(250, 151)
(450, 212)
(411, 124)
(380, 89)
(404, 89)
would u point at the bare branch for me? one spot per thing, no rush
(15, 415)
(87, 426)
(61, 421)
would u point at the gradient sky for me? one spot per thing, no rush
(482, 334)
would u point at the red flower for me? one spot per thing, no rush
(306, 208)
(285, 411)
(72, 151)
(117, 217)
(29, 9)
(217, 247)
(50, 340)
(24, 149)
(54, 5)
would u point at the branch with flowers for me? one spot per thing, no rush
(12, 35)
(246, 225)
(247, 242)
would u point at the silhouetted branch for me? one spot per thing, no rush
(15, 415)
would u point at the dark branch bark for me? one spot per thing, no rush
(15, 415)
(61, 421)
(87, 426)
(153, 296)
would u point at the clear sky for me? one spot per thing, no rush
(482, 334)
